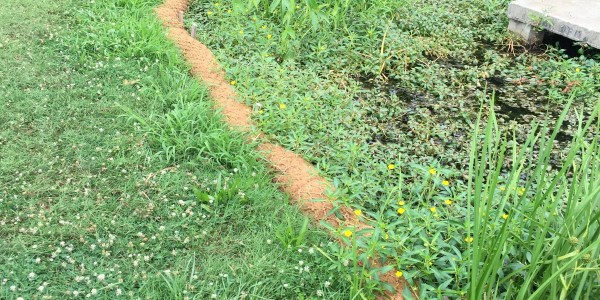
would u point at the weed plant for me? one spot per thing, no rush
(384, 98)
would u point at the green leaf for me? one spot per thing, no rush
(201, 196)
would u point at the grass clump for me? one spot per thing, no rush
(118, 180)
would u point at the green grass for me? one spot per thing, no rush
(118, 179)
(480, 202)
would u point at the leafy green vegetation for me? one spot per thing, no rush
(385, 98)
(118, 180)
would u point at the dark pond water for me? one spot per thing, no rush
(516, 109)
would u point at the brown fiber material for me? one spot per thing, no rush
(295, 175)
(204, 66)
(304, 185)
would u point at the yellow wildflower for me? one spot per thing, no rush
(282, 105)
(391, 166)
(242, 32)
(358, 212)
(233, 82)
(348, 233)
(445, 183)
(400, 202)
(264, 27)
(399, 274)
(448, 202)
(432, 209)
(401, 210)
(505, 216)
(269, 36)
(261, 111)
(432, 171)
(229, 11)
(469, 239)
(502, 188)
(577, 70)
(209, 12)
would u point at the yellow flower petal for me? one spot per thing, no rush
(432, 171)
(348, 233)
(432, 209)
(401, 210)
(391, 166)
(445, 183)
(399, 274)
(358, 212)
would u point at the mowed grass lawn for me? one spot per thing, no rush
(118, 180)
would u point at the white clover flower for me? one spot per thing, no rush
(94, 292)
(327, 284)
(31, 276)
(118, 292)
(319, 293)
(13, 288)
(101, 277)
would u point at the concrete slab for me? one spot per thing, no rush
(578, 20)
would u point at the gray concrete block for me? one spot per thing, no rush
(530, 34)
(578, 20)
